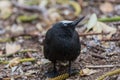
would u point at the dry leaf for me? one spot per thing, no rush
(5, 9)
(76, 6)
(106, 7)
(39, 27)
(105, 44)
(98, 29)
(6, 13)
(1, 52)
(53, 15)
(12, 48)
(43, 3)
(13, 62)
(87, 71)
(108, 29)
(92, 22)
(43, 61)
(17, 29)
(5, 4)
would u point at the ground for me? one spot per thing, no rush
(28, 33)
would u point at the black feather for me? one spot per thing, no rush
(62, 42)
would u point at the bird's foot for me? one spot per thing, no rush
(51, 74)
(72, 72)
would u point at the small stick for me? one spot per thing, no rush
(111, 39)
(101, 66)
(114, 72)
(21, 60)
(113, 19)
(21, 51)
(27, 8)
(98, 56)
(87, 34)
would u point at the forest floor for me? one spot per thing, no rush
(22, 33)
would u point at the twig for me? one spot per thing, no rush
(101, 66)
(113, 19)
(21, 60)
(26, 36)
(87, 34)
(24, 7)
(98, 56)
(28, 50)
(5, 40)
(4, 62)
(21, 51)
(111, 39)
(27, 60)
(112, 1)
(114, 72)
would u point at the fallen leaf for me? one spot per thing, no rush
(98, 29)
(12, 48)
(92, 22)
(13, 69)
(108, 29)
(17, 29)
(5, 9)
(43, 61)
(106, 7)
(39, 27)
(87, 71)
(76, 6)
(1, 52)
(13, 62)
(53, 15)
(43, 3)
(5, 4)
(6, 13)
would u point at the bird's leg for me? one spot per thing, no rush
(54, 72)
(69, 69)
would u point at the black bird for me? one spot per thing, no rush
(62, 43)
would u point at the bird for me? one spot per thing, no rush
(62, 43)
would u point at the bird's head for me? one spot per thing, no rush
(69, 24)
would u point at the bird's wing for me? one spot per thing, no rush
(47, 42)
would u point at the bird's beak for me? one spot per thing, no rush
(75, 22)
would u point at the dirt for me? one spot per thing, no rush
(110, 54)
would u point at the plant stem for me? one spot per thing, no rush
(109, 19)
(117, 71)
(21, 60)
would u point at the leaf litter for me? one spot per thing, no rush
(21, 21)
